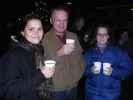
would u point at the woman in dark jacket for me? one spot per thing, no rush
(25, 76)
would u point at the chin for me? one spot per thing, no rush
(35, 42)
(60, 30)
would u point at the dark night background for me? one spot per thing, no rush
(117, 13)
(114, 12)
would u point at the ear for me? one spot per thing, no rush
(22, 33)
(51, 20)
(108, 37)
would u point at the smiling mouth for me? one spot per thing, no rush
(35, 37)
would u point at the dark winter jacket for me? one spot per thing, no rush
(22, 77)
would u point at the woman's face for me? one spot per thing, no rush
(33, 31)
(102, 35)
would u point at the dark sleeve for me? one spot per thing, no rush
(15, 84)
(124, 67)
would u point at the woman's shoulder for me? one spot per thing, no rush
(15, 52)
(114, 48)
(117, 50)
(90, 51)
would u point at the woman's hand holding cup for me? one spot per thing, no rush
(49, 68)
(107, 69)
(96, 67)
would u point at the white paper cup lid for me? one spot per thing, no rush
(70, 40)
(50, 63)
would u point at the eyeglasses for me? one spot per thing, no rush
(102, 35)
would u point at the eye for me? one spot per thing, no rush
(40, 29)
(29, 29)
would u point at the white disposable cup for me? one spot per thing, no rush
(49, 63)
(70, 41)
(98, 65)
(106, 66)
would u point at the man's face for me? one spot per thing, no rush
(59, 21)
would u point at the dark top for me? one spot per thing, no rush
(21, 77)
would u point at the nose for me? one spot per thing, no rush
(36, 31)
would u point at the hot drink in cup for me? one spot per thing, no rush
(97, 66)
(70, 41)
(50, 63)
(106, 67)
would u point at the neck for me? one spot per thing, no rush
(59, 34)
(101, 45)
